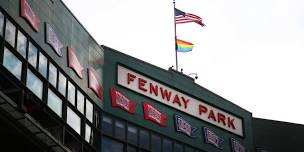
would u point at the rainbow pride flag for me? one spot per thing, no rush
(183, 46)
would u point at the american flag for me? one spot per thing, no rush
(182, 17)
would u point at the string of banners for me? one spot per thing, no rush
(183, 126)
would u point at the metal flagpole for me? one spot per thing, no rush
(175, 46)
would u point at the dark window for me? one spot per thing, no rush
(62, 83)
(189, 149)
(71, 93)
(34, 83)
(144, 139)
(89, 110)
(167, 145)
(132, 135)
(88, 134)
(107, 125)
(10, 33)
(73, 120)
(80, 101)
(120, 130)
(32, 55)
(1, 23)
(21, 44)
(12, 63)
(54, 102)
(155, 143)
(131, 149)
(52, 74)
(109, 145)
(178, 147)
(42, 64)
(97, 118)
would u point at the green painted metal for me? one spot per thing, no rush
(179, 82)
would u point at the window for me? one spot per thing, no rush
(88, 134)
(10, 33)
(1, 23)
(21, 44)
(71, 93)
(189, 149)
(80, 101)
(97, 118)
(12, 63)
(32, 55)
(54, 102)
(144, 139)
(178, 147)
(109, 145)
(131, 149)
(52, 74)
(73, 120)
(167, 145)
(89, 110)
(62, 83)
(120, 130)
(107, 125)
(132, 135)
(42, 64)
(155, 143)
(34, 83)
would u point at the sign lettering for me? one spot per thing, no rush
(178, 100)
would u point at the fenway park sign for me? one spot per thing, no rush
(178, 100)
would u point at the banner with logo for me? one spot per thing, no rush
(122, 101)
(237, 146)
(28, 14)
(153, 114)
(183, 126)
(52, 39)
(212, 138)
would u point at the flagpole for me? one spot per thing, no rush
(175, 46)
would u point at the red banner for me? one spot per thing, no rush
(151, 113)
(29, 15)
(74, 63)
(94, 84)
(122, 101)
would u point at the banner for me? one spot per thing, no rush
(151, 113)
(237, 146)
(122, 101)
(212, 138)
(183, 126)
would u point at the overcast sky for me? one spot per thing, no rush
(249, 52)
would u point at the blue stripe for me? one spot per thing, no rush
(180, 49)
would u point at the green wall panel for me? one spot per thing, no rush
(181, 83)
